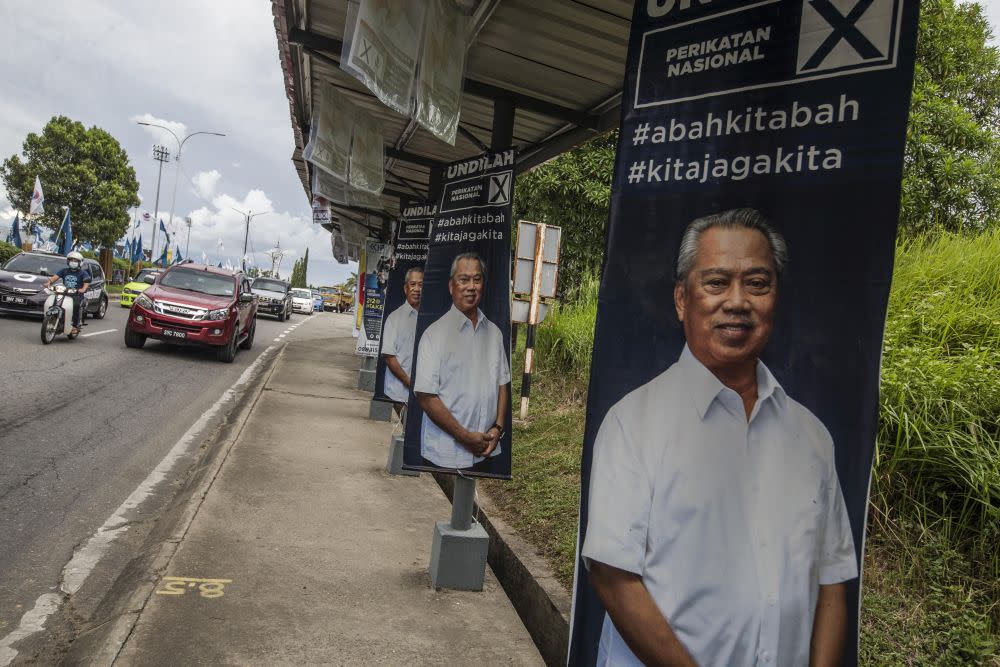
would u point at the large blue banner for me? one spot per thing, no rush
(458, 417)
(733, 397)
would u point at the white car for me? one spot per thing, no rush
(302, 300)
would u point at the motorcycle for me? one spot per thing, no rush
(58, 315)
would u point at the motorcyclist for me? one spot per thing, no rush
(74, 276)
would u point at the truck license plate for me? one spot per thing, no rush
(170, 333)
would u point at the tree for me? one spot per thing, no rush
(85, 169)
(951, 178)
(299, 271)
(572, 191)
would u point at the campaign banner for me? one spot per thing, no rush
(372, 277)
(733, 399)
(441, 71)
(462, 355)
(409, 253)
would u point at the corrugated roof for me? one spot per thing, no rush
(561, 61)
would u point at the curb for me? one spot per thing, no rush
(126, 600)
(537, 596)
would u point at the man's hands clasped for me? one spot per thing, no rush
(481, 444)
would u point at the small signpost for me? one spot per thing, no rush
(536, 267)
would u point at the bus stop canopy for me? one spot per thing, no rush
(559, 63)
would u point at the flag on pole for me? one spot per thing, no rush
(37, 205)
(15, 231)
(146, 217)
(66, 232)
(137, 250)
(39, 243)
(163, 260)
(204, 257)
(177, 256)
(220, 245)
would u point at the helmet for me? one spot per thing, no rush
(74, 259)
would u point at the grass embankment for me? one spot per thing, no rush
(932, 564)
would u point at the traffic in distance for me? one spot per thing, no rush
(186, 304)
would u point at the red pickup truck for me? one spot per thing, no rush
(194, 304)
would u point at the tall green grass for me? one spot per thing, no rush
(938, 450)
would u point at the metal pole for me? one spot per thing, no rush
(462, 501)
(245, 237)
(187, 247)
(161, 155)
(529, 344)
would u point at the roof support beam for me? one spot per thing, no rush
(412, 158)
(332, 47)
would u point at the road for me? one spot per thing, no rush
(82, 424)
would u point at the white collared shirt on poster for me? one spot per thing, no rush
(465, 366)
(397, 340)
(731, 524)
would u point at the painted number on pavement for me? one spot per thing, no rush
(207, 588)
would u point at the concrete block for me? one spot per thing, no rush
(366, 380)
(458, 557)
(369, 363)
(394, 466)
(380, 411)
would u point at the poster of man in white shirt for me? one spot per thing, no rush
(398, 335)
(462, 377)
(717, 530)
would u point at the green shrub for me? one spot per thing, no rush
(565, 340)
(7, 251)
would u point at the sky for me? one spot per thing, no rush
(192, 66)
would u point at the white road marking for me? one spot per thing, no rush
(86, 558)
(277, 340)
(97, 333)
(31, 622)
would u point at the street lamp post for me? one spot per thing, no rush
(249, 215)
(161, 155)
(180, 147)
(187, 247)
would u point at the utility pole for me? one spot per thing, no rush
(187, 246)
(249, 215)
(161, 154)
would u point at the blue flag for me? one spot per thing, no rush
(66, 232)
(162, 228)
(15, 231)
(177, 256)
(162, 261)
(137, 250)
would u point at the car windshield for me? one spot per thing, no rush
(302, 293)
(199, 281)
(141, 276)
(272, 285)
(37, 264)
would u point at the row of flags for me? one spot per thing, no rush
(61, 240)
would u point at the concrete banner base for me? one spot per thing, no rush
(380, 411)
(458, 557)
(366, 380)
(394, 466)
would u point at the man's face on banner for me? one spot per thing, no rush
(727, 302)
(413, 288)
(466, 286)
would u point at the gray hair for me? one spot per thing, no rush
(737, 218)
(406, 278)
(470, 256)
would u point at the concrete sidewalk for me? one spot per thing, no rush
(326, 554)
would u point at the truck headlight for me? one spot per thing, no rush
(144, 301)
(219, 314)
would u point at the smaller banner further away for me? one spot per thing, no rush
(373, 278)
(399, 326)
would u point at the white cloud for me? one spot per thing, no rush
(291, 232)
(160, 135)
(205, 183)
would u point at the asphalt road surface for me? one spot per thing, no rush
(82, 424)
